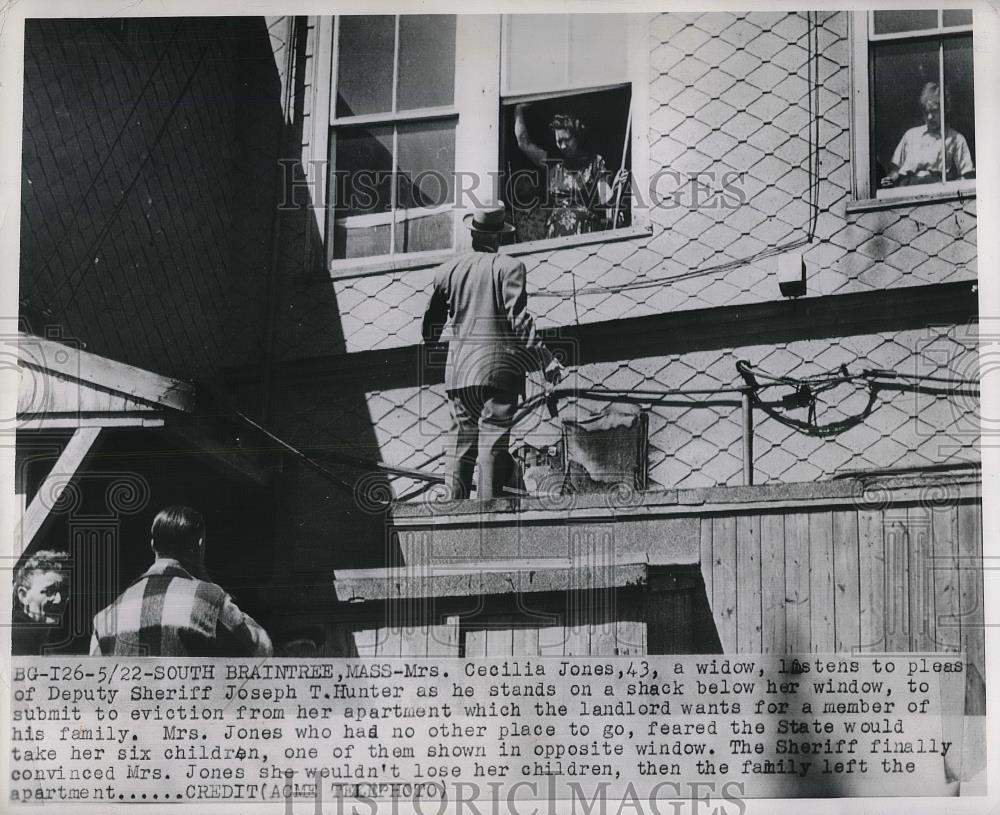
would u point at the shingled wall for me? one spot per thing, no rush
(728, 93)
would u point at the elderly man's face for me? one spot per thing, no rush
(44, 597)
(932, 117)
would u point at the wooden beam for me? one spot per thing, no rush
(69, 463)
(71, 363)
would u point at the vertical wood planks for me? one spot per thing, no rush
(475, 642)
(442, 640)
(947, 624)
(772, 572)
(918, 525)
(748, 589)
(896, 537)
(630, 629)
(707, 563)
(551, 639)
(846, 582)
(797, 625)
(724, 580)
(525, 642)
(364, 642)
(500, 637)
(822, 598)
(970, 552)
(871, 572)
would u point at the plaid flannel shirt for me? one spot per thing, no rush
(168, 612)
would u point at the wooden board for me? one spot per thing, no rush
(846, 582)
(921, 582)
(724, 583)
(797, 625)
(772, 572)
(947, 621)
(871, 573)
(822, 597)
(749, 625)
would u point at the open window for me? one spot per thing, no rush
(565, 120)
(419, 126)
(914, 111)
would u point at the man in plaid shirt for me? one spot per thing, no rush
(170, 610)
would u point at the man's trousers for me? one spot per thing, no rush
(480, 433)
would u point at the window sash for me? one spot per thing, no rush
(862, 39)
(478, 91)
(940, 29)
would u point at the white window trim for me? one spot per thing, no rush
(477, 139)
(864, 198)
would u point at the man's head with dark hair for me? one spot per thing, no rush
(41, 585)
(179, 532)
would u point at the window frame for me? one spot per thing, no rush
(478, 94)
(863, 196)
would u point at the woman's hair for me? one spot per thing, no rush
(931, 95)
(564, 121)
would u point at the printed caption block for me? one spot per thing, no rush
(500, 729)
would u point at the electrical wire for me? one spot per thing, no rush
(813, 88)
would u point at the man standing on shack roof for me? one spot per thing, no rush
(491, 344)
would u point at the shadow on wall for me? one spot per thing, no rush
(320, 523)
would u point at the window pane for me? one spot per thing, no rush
(960, 103)
(899, 72)
(360, 241)
(424, 232)
(364, 66)
(552, 52)
(426, 61)
(537, 52)
(597, 49)
(892, 22)
(426, 164)
(364, 162)
(957, 17)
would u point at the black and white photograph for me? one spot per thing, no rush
(487, 407)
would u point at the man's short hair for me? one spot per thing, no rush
(44, 560)
(176, 531)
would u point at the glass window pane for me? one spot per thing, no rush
(597, 49)
(892, 22)
(426, 164)
(363, 160)
(960, 113)
(426, 61)
(364, 65)
(424, 232)
(957, 16)
(360, 240)
(899, 72)
(537, 52)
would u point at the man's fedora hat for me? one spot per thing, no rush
(491, 220)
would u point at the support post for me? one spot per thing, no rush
(747, 438)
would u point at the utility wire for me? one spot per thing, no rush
(812, 87)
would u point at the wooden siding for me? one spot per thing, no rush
(876, 579)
